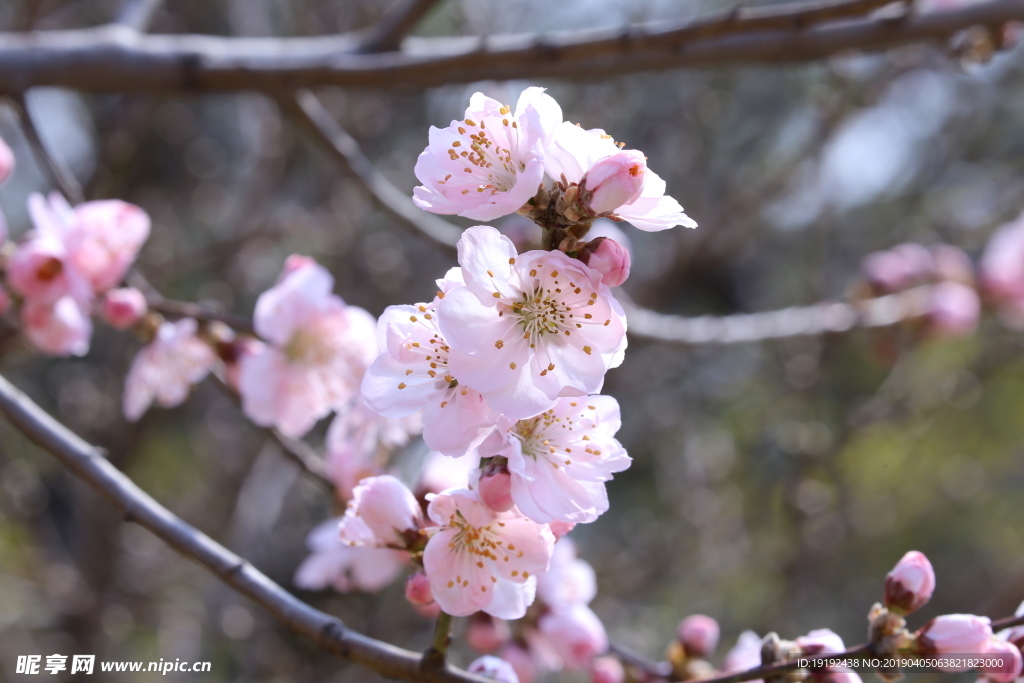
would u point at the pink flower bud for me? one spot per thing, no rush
(1010, 658)
(698, 634)
(123, 307)
(609, 258)
(952, 264)
(613, 182)
(910, 584)
(486, 634)
(496, 488)
(417, 589)
(607, 670)
(493, 667)
(953, 309)
(576, 634)
(964, 634)
(6, 162)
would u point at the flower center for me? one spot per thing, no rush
(312, 346)
(490, 148)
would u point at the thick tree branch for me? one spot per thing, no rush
(110, 59)
(816, 319)
(88, 463)
(387, 34)
(306, 108)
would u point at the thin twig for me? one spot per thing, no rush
(327, 632)
(435, 656)
(306, 107)
(187, 309)
(816, 319)
(387, 34)
(106, 60)
(60, 173)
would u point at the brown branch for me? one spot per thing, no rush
(387, 34)
(88, 463)
(817, 319)
(306, 108)
(60, 173)
(111, 60)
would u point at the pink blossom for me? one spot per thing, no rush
(746, 654)
(485, 633)
(493, 667)
(910, 584)
(613, 182)
(569, 580)
(574, 151)
(123, 307)
(952, 264)
(561, 459)
(383, 513)
(39, 271)
(412, 374)
(356, 439)
(491, 162)
(6, 161)
(954, 633)
(953, 309)
(698, 635)
(1002, 265)
(105, 240)
(609, 258)
(165, 370)
(495, 487)
(824, 641)
(60, 328)
(317, 351)
(576, 634)
(335, 564)
(1010, 658)
(417, 589)
(607, 670)
(527, 329)
(482, 560)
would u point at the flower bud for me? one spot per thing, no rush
(964, 634)
(613, 182)
(576, 634)
(123, 307)
(496, 488)
(6, 162)
(417, 589)
(493, 667)
(1010, 658)
(910, 584)
(485, 633)
(607, 670)
(698, 635)
(609, 258)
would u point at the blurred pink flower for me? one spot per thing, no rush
(317, 351)
(568, 581)
(746, 654)
(493, 667)
(357, 437)
(910, 584)
(344, 568)
(59, 328)
(165, 370)
(698, 635)
(383, 513)
(607, 257)
(561, 459)
(485, 633)
(482, 560)
(522, 662)
(39, 271)
(123, 307)
(490, 163)
(575, 151)
(607, 670)
(105, 240)
(576, 634)
(1011, 660)
(1002, 269)
(528, 328)
(953, 309)
(417, 589)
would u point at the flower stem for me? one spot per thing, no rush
(434, 657)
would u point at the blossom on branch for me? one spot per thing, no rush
(383, 513)
(910, 584)
(165, 370)
(317, 350)
(334, 564)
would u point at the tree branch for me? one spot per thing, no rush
(88, 463)
(60, 173)
(387, 34)
(817, 319)
(109, 59)
(306, 108)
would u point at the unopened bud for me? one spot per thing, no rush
(417, 589)
(123, 307)
(607, 257)
(1010, 662)
(495, 488)
(698, 635)
(965, 634)
(910, 584)
(607, 670)
(613, 182)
